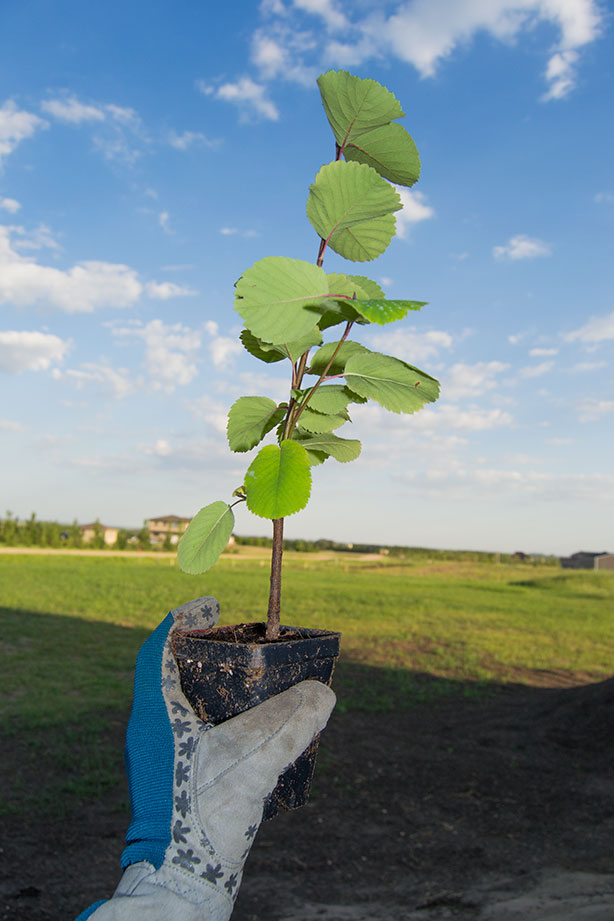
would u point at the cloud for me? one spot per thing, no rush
(249, 97)
(163, 219)
(118, 382)
(72, 111)
(171, 352)
(221, 348)
(214, 413)
(10, 205)
(536, 353)
(191, 139)
(119, 131)
(415, 209)
(16, 125)
(530, 484)
(416, 346)
(591, 409)
(604, 198)
(422, 33)
(522, 247)
(11, 425)
(464, 380)
(81, 289)
(598, 329)
(30, 351)
(536, 370)
(234, 231)
(162, 291)
(584, 367)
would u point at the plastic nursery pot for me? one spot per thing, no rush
(226, 670)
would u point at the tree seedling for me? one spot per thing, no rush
(289, 306)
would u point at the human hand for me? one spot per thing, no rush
(197, 792)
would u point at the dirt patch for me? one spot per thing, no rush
(498, 809)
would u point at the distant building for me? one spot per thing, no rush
(605, 561)
(89, 531)
(581, 560)
(166, 526)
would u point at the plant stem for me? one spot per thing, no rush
(272, 620)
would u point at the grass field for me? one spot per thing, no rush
(72, 625)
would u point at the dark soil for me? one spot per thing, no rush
(414, 814)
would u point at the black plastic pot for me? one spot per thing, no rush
(226, 670)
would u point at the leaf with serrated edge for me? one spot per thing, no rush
(389, 150)
(343, 450)
(330, 398)
(391, 383)
(205, 538)
(278, 481)
(382, 311)
(351, 207)
(249, 420)
(321, 358)
(318, 422)
(264, 351)
(281, 299)
(354, 104)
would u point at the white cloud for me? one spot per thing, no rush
(40, 238)
(10, 205)
(163, 221)
(464, 380)
(591, 409)
(531, 484)
(423, 33)
(191, 139)
(214, 413)
(162, 448)
(222, 348)
(30, 351)
(16, 125)
(162, 291)
(414, 345)
(606, 198)
(522, 247)
(414, 210)
(583, 367)
(80, 289)
(234, 231)
(11, 425)
(250, 98)
(537, 353)
(119, 382)
(536, 370)
(171, 352)
(72, 111)
(598, 329)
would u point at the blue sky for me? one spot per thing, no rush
(151, 152)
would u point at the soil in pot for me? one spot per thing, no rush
(226, 670)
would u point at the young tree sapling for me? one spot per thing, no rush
(289, 306)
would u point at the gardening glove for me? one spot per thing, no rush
(197, 792)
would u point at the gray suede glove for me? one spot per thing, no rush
(197, 792)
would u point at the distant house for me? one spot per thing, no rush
(166, 526)
(580, 560)
(89, 532)
(605, 561)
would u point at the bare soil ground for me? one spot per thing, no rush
(497, 809)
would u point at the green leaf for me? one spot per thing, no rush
(206, 536)
(331, 398)
(268, 352)
(389, 150)
(348, 286)
(281, 299)
(278, 481)
(381, 311)
(321, 358)
(313, 421)
(393, 384)
(249, 419)
(351, 207)
(342, 449)
(354, 104)
(370, 287)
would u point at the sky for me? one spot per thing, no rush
(151, 152)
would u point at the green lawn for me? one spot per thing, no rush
(71, 626)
